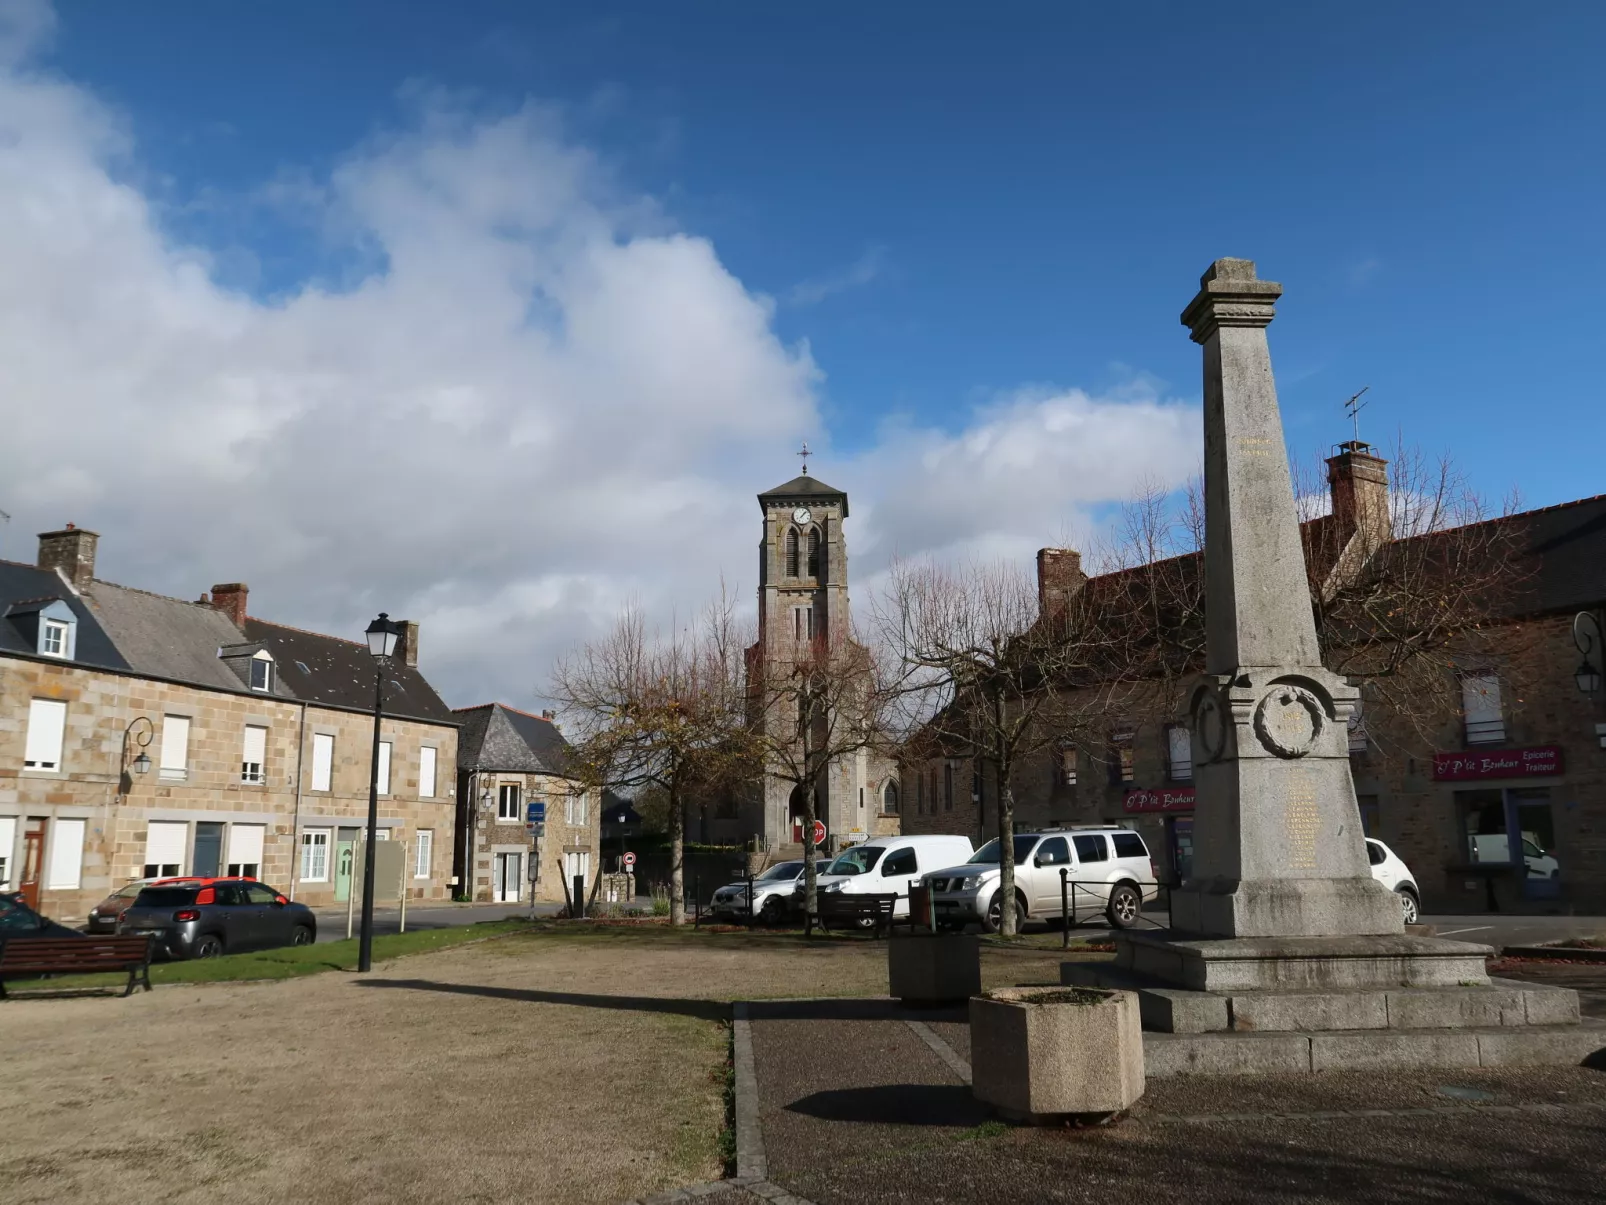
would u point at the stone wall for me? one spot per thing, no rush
(89, 786)
(562, 835)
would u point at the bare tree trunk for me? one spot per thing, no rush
(811, 858)
(677, 858)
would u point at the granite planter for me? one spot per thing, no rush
(1045, 1054)
(929, 969)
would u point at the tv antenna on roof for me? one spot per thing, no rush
(1353, 408)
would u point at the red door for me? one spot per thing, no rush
(33, 860)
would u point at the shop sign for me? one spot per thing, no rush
(1173, 799)
(1468, 765)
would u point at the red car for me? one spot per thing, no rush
(103, 916)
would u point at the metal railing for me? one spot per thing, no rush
(1071, 889)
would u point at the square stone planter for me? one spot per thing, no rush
(928, 969)
(1050, 1054)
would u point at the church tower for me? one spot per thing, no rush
(802, 566)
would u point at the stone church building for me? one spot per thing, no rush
(802, 600)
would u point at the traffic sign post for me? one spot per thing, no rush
(535, 811)
(629, 862)
(819, 833)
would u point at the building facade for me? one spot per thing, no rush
(1498, 804)
(507, 761)
(144, 736)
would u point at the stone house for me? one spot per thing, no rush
(142, 735)
(1498, 803)
(507, 761)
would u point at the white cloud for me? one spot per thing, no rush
(540, 399)
(856, 275)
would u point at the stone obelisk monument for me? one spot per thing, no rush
(1278, 847)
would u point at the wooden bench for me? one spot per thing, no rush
(77, 956)
(845, 909)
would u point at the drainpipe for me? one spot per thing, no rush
(295, 827)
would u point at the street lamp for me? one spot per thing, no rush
(1586, 635)
(382, 635)
(137, 735)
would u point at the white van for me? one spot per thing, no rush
(891, 865)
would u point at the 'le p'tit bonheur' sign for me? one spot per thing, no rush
(1175, 799)
(1468, 765)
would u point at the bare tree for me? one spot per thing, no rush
(998, 667)
(813, 704)
(663, 712)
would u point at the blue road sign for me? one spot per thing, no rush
(535, 811)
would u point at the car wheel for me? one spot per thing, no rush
(993, 922)
(208, 947)
(1125, 906)
(772, 912)
(301, 935)
(1409, 908)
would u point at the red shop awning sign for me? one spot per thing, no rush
(1176, 799)
(1468, 765)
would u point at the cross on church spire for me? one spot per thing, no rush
(805, 455)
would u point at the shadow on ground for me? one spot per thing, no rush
(706, 1010)
(911, 1104)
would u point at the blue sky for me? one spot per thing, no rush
(920, 223)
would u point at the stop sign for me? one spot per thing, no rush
(819, 832)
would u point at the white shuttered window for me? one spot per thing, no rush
(384, 767)
(1480, 699)
(254, 754)
(175, 746)
(323, 760)
(245, 850)
(1179, 746)
(66, 853)
(8, 838)
(164, 848)
(422, 853)
(47, 721)
(426, 772)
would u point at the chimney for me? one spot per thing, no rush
(72, 551)
(407, 643)
(1358, 482)
(230, 599)
(1059, 574)
(548, 715)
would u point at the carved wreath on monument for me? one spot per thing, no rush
(1289, 720)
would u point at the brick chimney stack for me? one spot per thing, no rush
(1358, 481)
(72, 551)
(407, 643)
(1059, 575)
(230, 599)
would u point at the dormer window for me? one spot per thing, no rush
(262, 672)
(54, 638)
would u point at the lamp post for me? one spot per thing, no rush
(382, 635)
(1586, 635)
(138, 735)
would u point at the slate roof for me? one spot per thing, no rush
(497, 737)
(168, 637)
(803, 488)
(1566, 544)
(20, 583)
(340, 673)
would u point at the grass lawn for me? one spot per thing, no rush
(286, 962)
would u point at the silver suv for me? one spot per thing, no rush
(1108, 868)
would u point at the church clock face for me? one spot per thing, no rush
(801, 515)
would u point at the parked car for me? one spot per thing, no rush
(1396, 876)
(890, 866)
(772, 894)
(103, 916)
(1109, 865)
(17, 920)
(203, 918)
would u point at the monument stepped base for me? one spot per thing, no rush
(1338, 1003)
(1373, 1049)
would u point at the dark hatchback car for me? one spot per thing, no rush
(103, 916)
(216, 916)
(17, 920)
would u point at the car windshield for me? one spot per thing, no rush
(14, 914)
(129, 892)
(856, 861)
(1023, 847)
(781, 870)
(166, 897)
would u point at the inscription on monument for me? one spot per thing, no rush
(1302, 821)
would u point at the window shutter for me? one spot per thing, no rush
(47, 721)
(384, 767)
(253, 753)
(175, 745)
(245, 845)
(1180, 742)
(66, 853)
(1480, 699)
(323, 760)
(426, 772)
(164, 843)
